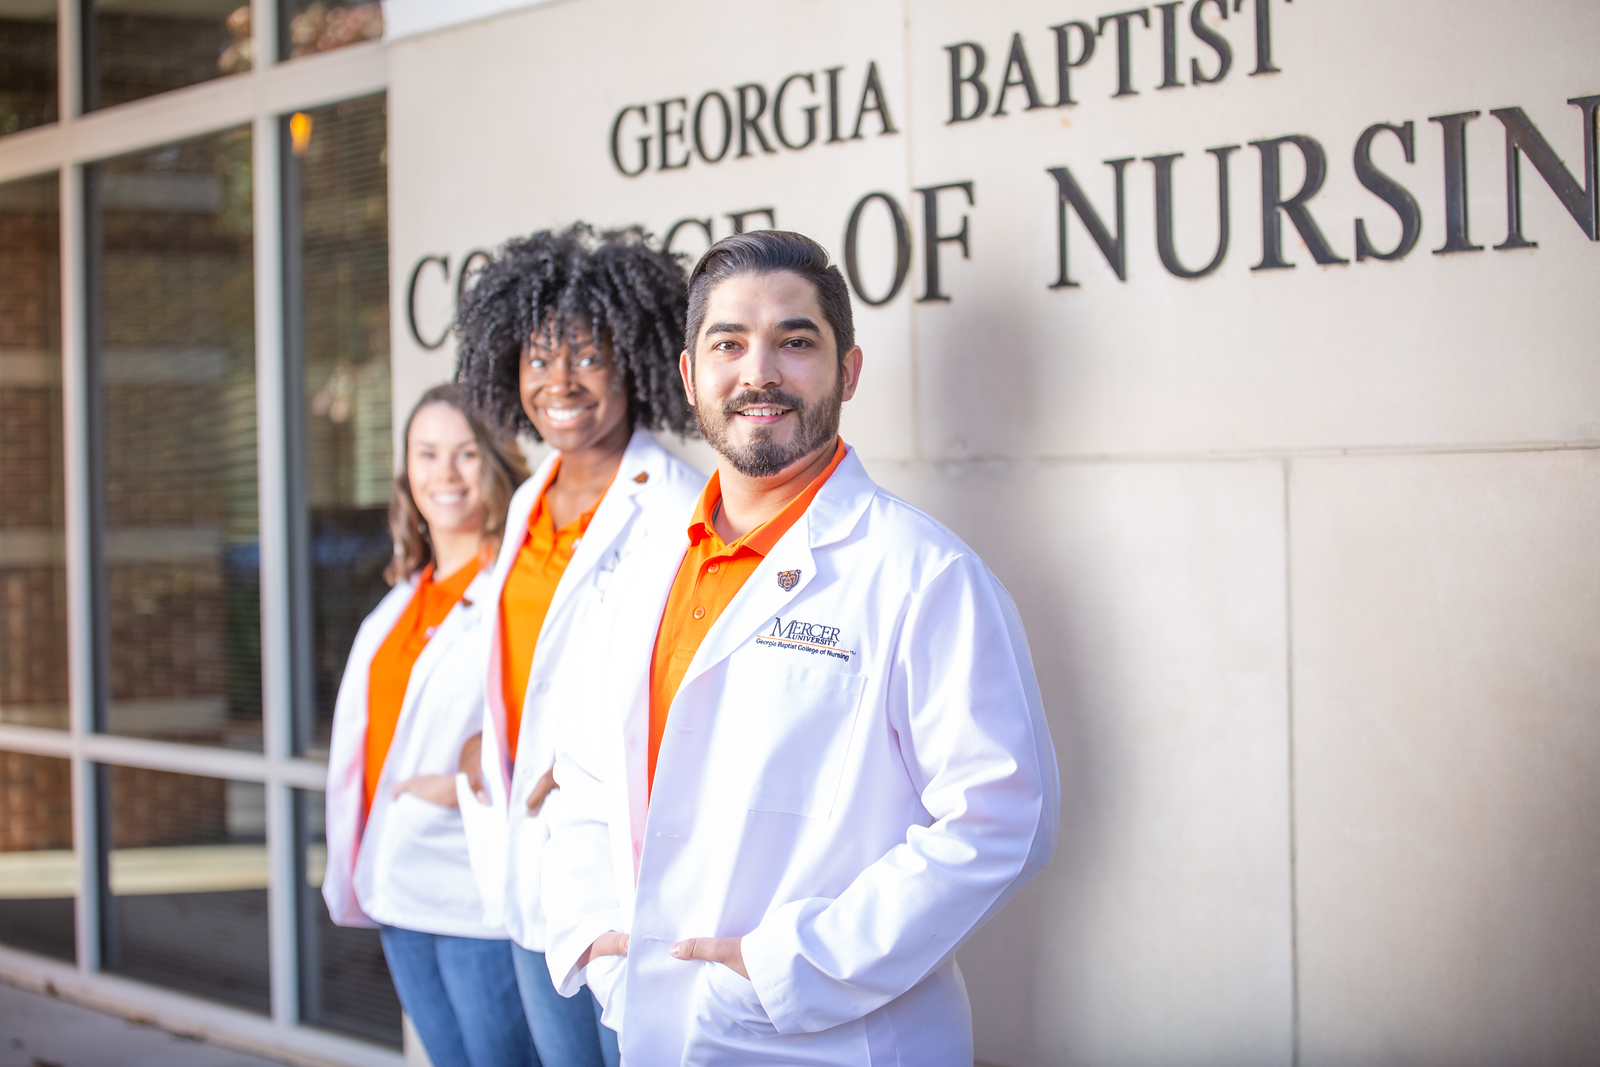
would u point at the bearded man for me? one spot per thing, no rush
(818, 760)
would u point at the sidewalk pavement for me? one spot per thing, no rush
(37, 1030)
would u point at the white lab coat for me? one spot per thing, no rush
(856, 774)
(406, 865)
(505, 841)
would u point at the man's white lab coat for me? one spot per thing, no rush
(652, 487)
(405, 862)
(856, 773)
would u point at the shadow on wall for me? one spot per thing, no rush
(1016, 533)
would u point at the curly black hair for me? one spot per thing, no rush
(611, 281)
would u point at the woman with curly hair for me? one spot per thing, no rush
(573, 339)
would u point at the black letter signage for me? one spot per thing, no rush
(616, 141)
(1064, 64)
(727, 126)
(809, 112)
(957, 80)
(750, 121)
(1218, 43)
(1455, 182)
(1579, 200)
(1018, 62)
(1272, 201)
(1389, 191)
(411, 301)
(1164, 244)
(932, 239)
(1124, 59)
(873, 89)
(1068, 192)
(902, 248)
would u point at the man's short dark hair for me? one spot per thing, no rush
(611, 282)
(769, 252)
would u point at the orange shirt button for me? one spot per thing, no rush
(699, 613)
(714, 568)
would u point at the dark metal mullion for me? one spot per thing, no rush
(93, 252)
(110, 939)
(302, 676)
(307, 903)
(94, 377)
(89, 43)
(285, 10)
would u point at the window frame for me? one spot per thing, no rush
(261, 97)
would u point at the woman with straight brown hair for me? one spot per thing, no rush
(397, 853)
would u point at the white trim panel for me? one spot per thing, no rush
(409, 18)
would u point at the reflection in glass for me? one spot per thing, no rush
(38, 879)
(27, 64)
(344, 980)
(33, 593)
(172, 356)
(312, 26)
(137, 48)
(186, 883)
(336, 254)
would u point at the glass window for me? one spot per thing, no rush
(311, 26)
(38, 878)
(336, 255)
(185, 879)
(344, 981)
(137, 48)
(174, 407)
(27, 64)
(33, 594)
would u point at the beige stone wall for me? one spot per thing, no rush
(1307, 556)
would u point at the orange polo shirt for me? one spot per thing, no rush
(529, 589)
(709, 577)
(390, 671)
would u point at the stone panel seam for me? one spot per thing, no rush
(911, 310)
(1294, 876)
(1284, 455)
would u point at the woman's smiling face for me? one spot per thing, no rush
(445, 470)
(571, 389)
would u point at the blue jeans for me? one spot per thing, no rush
(566, 1030)
(461, 994)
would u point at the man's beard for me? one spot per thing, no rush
(816, 424)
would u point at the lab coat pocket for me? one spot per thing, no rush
(424, 852)
(735, 998)
(485, 830)
(791, 728)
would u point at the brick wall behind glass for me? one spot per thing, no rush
(154, 808)
(35, 803)
(33, 665)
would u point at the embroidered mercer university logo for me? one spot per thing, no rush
(812, 637)
(788, 579)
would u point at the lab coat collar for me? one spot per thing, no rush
(833, 514)
(643, 462)
(462, 614)
(840, 503)
(346, 805)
